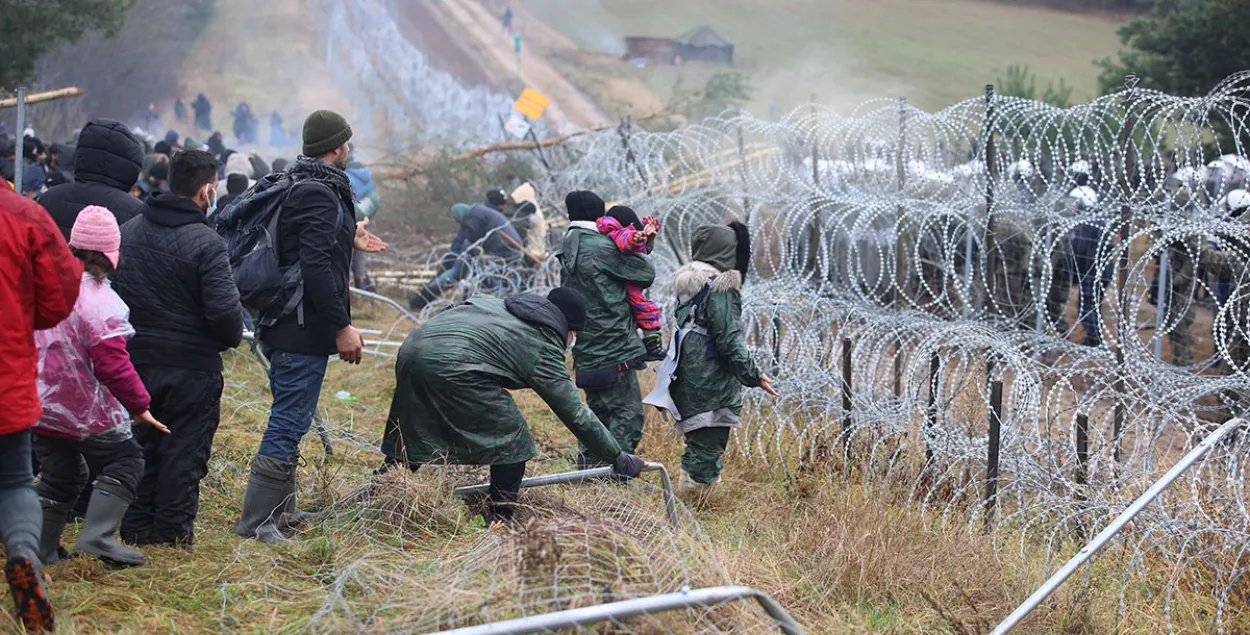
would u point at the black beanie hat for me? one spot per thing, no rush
(584, 205)
(324, 132)
(159, 171)
(236, 184)
(497, 198)
(572, 304)
(625, 216)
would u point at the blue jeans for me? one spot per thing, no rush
(21, 518)
(295, 381)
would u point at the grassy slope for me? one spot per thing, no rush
(934, 52)
(843, 559)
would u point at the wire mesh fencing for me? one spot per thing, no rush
(1020, 313)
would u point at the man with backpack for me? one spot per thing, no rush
(302, 296)
(185, 310)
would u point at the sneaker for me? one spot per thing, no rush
(29, 596)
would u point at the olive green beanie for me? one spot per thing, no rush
(324, 132)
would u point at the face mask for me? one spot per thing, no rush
(572, 343)
(212, 206)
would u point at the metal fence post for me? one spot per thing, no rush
(1082, 454)
(1129, 155)
(1114, 528)
(995, 439)
(742, 158)
(776, 345)
(21, 138)
(900, 259)
(847, 423)
(931, 413)
(991, 173)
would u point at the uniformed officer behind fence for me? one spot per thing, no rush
(452, 379)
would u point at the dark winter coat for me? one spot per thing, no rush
(481, 221)
(453, 376)
(592, 264)
(107, 163)
(316, 229)
(176, 280)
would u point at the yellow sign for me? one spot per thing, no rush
(531, 103)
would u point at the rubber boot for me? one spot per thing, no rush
(687, 485)
(109, 501)
(55, 517)
(22, 570)
(263, 501)
(292, 517)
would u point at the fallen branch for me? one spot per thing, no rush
(508, 146)
(35, 98)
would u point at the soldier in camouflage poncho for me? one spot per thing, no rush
(609, 351)
(452, 380)
(714, 363)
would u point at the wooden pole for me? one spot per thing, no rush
(37, 98)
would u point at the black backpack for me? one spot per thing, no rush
(249, 224)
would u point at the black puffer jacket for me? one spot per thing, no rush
(316, 229)
(175, 277)
(107, 162)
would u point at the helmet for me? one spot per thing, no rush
(1020, 169)
(1237, 202)
(1084, 197)
(1225, 174)
(1080, 167)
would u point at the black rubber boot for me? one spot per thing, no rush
(55, 517)
(292, 517)
(263, 502)
(109, 501)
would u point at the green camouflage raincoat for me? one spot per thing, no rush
(451, 402)
(591, 263)
(711, 378)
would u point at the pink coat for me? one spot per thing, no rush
(86, 381)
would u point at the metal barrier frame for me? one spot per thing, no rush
(586, 616)
(581, 476)
(1105, 536)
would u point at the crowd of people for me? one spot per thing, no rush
(129, 297)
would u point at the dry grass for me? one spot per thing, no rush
(841, 556)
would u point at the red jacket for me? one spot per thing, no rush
(39, 282)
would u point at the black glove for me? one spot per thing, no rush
(628, 465)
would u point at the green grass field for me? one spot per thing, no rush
(934, 52)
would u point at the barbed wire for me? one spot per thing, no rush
(1074, 279)
(1089, 260)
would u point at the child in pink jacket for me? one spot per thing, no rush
(633, 236)
(90, 392)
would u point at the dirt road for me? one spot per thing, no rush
(569, 105)
(420, 25)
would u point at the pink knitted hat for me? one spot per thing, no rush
(96, 230)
